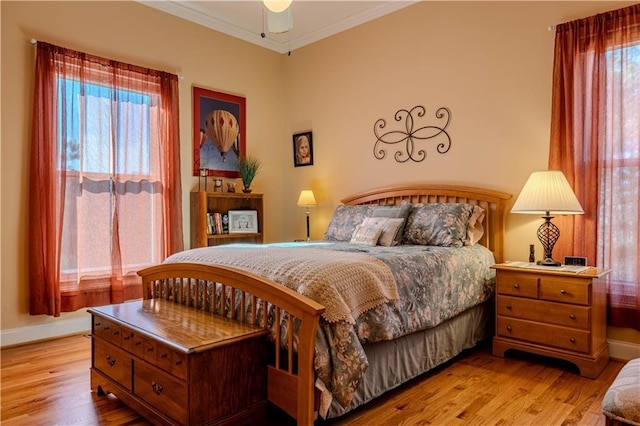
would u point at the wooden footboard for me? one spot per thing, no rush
(235, 294)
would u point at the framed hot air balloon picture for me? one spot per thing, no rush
(219, 129)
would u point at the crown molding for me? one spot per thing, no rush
(190, 12)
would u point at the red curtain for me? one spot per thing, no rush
(595, 140)
(105, 192)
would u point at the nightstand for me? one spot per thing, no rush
(553, 313)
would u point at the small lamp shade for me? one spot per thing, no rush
(307, 199)
(547, 193)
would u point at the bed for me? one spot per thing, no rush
(342, 310)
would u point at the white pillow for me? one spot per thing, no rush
(390, 228)
(367, 235)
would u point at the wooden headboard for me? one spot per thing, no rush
(493, 202)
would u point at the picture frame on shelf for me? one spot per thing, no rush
(243, 222)
(303, 149)
(219, 132)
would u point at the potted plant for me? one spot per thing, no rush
(248, 167)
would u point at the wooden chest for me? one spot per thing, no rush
(178, 365)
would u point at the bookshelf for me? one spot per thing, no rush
(221, 202)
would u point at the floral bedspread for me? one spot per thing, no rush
(434, 285)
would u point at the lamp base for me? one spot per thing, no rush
(548, 262)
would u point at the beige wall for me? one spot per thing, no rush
(490, 63)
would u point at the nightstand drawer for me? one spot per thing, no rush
(548, 335)
(542, 311)
(518, 284)
(112, 361)
(565, 290)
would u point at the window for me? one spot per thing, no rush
(618, 216)
(105, 178)
(595, 141)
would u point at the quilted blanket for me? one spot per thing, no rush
(346, 284)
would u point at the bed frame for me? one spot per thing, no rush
(286, 372)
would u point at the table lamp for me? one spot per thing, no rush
(307, 200)
(547, 193)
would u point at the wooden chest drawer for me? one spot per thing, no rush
(112, 361)
(172, 361)
(98, 325)
(126, 341)
(161, 390)
(547, 312)
(565, 290)
(544, 334)
(517, 284)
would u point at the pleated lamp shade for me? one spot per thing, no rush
(547, 191)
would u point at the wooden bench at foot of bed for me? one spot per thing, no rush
(290, 379)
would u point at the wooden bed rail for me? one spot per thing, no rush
(188, 284)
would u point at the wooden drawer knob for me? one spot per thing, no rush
(572, 340)
(509, 307)
(516, 285)
(563, 291)
(572, 316)
(508, 328)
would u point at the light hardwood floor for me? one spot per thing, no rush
(47, 383)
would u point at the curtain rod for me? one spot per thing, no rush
(34, 42)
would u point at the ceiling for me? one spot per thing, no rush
(246, 19)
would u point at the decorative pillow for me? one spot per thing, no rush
(390, 228)
(345, 219)
(438, 224)
(401, 211)
(475, 229)
(367, 235)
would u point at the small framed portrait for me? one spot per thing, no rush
(243, 221)
(303, 149)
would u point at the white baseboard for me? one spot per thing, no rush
(623, 351)
(51, 330)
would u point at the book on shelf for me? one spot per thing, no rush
(210, 226)
(217, 223)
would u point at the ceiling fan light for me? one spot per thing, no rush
(279, 23)
(277, 6)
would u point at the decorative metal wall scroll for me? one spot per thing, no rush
(409, 135)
